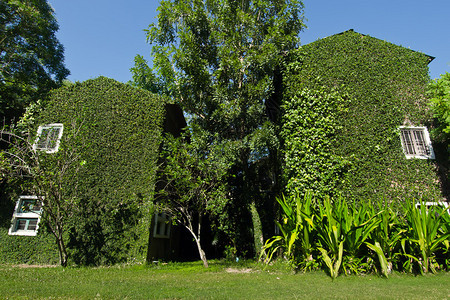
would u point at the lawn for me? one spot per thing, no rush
(220, 281)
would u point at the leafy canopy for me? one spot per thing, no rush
(217, 59)
(439, 91)
(31, 58)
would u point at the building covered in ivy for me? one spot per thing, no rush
(354, 122)
(368, 98)
(97, 143)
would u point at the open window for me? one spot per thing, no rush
(416, 142)
(161, 228)
(48, 137)
(26, 216)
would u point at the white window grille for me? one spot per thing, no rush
(48, 137)
(416, 142)
(161, 228)
(26, 216)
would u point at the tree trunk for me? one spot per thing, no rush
(62, 252)
(248, 192)
(197, 238)
(202, 253)
(258, 238)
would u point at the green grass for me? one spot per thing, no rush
(192, 281)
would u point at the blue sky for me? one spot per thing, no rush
(102, 37)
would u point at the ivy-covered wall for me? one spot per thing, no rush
(40, 249)
(115, 131)
(384, 87)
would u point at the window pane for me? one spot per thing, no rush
(420, 142)
(407, 142)
(21, 224)
(53, 137)
(158, 227)
(416, 142)
(42, 142)
(32, 224)
(48, 138)
(30, 205)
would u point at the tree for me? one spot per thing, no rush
(218, 59)
(439, 92)
(192, 176)
(45, 176)
(31, 58)
(144, 78)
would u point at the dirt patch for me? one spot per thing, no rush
(25, 266)
(233, 270)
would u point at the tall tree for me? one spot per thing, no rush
(218, 58)
(439, 92)
(31, 57)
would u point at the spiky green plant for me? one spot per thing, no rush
(297, 228)
(329, 232)
(424, 236)
(357, 220)
(385, 238)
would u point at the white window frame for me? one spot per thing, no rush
(49, 139)
(162, 226)
(419, 145)
(20, 215)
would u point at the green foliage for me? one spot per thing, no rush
(425, 235)
(112, 134)
(361, 237)
(386, 237)
(27, 250)
(310, 127)
(144, 78)
(218, 60)
(192, 179)
(439, 92)
(385, 86)
(31, 58)
(298, 233)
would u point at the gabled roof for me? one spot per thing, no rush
(430, 58)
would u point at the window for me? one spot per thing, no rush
(48, 137)
(26, 216)
(416, 142)
(161, 228)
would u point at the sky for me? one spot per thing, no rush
(102, 37)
